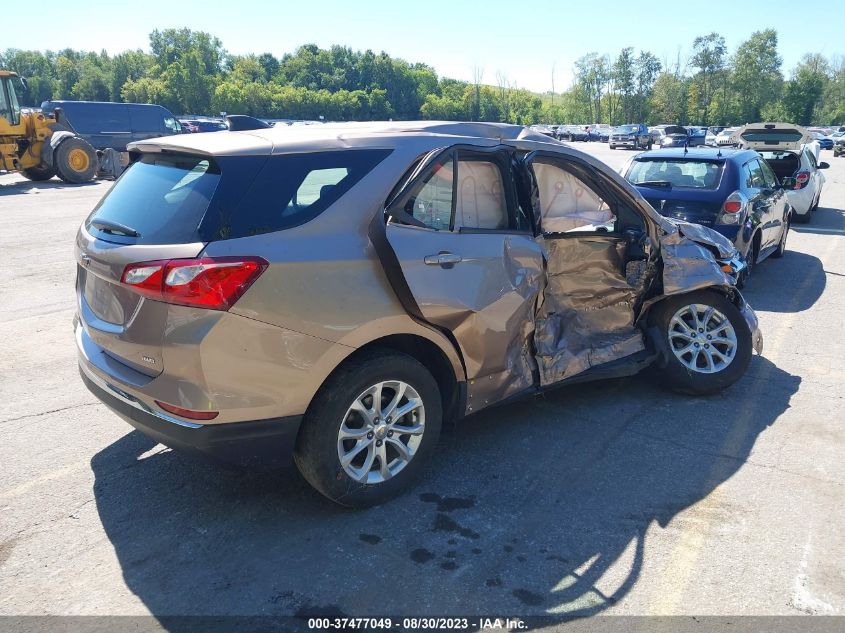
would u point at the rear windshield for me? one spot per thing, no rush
(773, 136)
(167, 199)
(691, 174)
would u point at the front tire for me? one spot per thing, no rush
(76, 161)
(370, 429)
(39, 174)
(706, 342)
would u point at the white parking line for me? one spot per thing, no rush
(819, 230)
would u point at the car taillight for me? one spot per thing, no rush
(215, 283)
(732, 209)
(801, 179)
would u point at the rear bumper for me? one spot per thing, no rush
(258, 444)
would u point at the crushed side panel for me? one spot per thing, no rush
(586, 315)
(509, 321)
(688, 263)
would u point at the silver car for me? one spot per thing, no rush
(334, 293)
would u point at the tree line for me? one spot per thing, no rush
(190, 72)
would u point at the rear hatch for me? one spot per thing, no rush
(762, 136)
(161, 209)
(144, 275)
(682, 187)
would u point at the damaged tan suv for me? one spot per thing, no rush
(334, 293)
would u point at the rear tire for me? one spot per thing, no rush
(39, 174)
(345, 407)
(684, 323)
(807, 217)
(76, 161)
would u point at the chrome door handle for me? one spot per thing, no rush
(442, 259)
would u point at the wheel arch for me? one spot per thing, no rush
(450, 379)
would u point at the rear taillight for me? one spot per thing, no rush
(801, 179)
(215, 283)
(732, 209)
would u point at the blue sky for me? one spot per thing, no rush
(524, 40)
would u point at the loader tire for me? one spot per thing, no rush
(76, 161)
(39, 174)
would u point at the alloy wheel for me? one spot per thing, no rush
(702, 338)
(381, 432)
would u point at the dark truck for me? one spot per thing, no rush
(634, 135)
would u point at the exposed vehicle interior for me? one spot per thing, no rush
(783, 163)
(587, 236)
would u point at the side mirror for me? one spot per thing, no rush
(788, 183)
(824, 165)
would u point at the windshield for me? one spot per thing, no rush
(9, 109)
(686, 173)
(627, 129)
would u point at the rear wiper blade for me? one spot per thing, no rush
(110, 226)
(656, 183)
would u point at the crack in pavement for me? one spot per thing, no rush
(36, 415)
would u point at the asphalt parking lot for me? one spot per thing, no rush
(613, 497)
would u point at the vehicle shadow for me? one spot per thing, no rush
(540, 507)
(825, 220)
(790, 284)
(24, 186)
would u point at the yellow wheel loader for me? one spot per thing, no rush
(39, 146)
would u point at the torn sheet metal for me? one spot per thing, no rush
(483, 346)
(586, 315)
(689, 262)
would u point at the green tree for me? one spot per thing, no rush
(624, 79)
(756, 75)
(647, 69)
(802, 94)
(709, 59)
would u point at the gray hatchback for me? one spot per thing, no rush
(334, 293)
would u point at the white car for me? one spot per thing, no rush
(791, 153)
(723, 138)
(710, 136)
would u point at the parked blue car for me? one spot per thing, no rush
(734, 192)
(825, 142)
